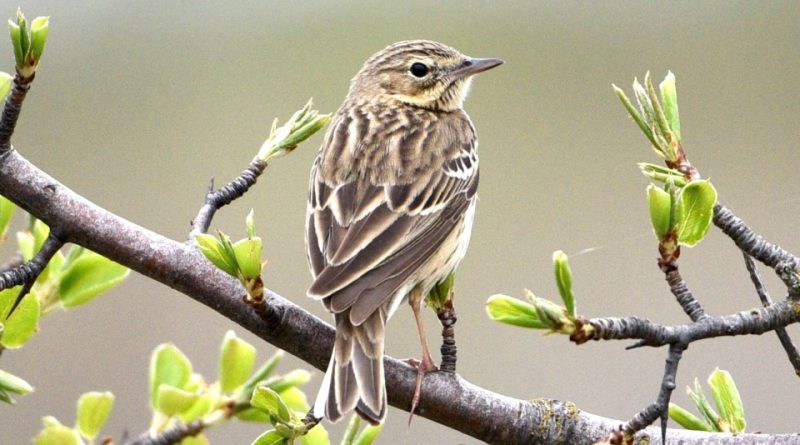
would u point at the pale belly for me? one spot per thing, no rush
(440, 264)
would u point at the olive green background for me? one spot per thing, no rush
(138, 104)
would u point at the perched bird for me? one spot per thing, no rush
(391, 203)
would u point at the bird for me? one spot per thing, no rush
(391, 203)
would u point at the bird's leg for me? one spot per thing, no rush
(447, 316)
(426, 365)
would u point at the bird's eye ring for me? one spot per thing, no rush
(418, 69)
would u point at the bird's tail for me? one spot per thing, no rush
(354, 379)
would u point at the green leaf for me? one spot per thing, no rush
(727, 399)
(564, 280)
(168, 366)
(199, 439)
(669, 97)
(512, 311)
(50, 422)
(172, 401)
(268, 400)
(16, 41)
(6, 398)
(89, 276)
(658, 112)
(6, 207)
(648, 114)
(299, 127)
(25, 41)
(694, 211)
(58, 435)
(39, 29)
(289, 380)
(662, 174)
(203, 405)
(196, 383)
(7, 298)
(368, 434)
(212, 248)
(316, 436)
(227, 246)
(352, 429)
(40, 234)
(637, 117)
(25, 243)
(271, 437)
(688, 420)
(248, 256)
(441, 292)
(660, 204)
(295, 399)
(22, 323)
(93, 411)
(305, 131)
(263, 372)
(253, 415)
(699, 399)
(552, 315)
(250, 224)
(236, 361)
(73, 253)
(11, 383)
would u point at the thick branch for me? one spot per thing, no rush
(446, 399)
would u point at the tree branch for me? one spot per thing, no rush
(783, 336)
(446, 399)
(11, 109)
(27, 273)
(749, 241)
(649, 333)
(224, 196)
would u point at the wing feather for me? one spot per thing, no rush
(369, 234)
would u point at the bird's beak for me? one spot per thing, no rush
(474, 66)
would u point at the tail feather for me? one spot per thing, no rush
(354, 379)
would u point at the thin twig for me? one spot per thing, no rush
(683, 295)
(11, 109)
(224, 196)
(660, 408)
(27, 273)
(783, 336)
(750, 322)
(171, 436)
(750, 242)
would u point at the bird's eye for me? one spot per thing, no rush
(418, 69)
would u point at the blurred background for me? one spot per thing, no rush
(138, 104)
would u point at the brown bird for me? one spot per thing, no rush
(391, 203)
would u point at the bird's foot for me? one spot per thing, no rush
(423, 367)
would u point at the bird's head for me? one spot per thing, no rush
(420, 73)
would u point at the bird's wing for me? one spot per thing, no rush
(365, 239)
